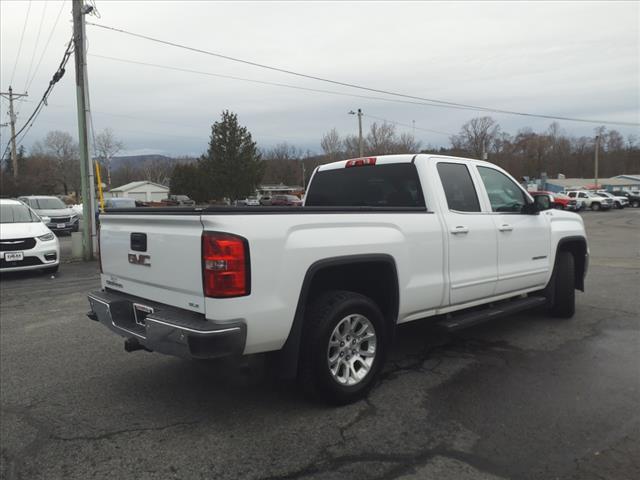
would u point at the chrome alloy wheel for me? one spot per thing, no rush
(352, 349)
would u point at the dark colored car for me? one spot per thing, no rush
(634, 198)
(285, 201)
(178, 200)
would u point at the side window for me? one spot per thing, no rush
(504, 194)
(458, 187)
(583, 195)
(572, 194)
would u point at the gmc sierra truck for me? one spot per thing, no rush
(380, 241)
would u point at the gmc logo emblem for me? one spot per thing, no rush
(140, 259)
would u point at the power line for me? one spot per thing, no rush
(43, 101)
(407, 125)
(24, 27)
(35, 48)
(275, 84)
(359, 87)
(46, 46)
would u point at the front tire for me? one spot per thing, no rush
(344, 347)
(595, 206)
(635, 203)
(563, 286)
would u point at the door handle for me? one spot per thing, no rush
(460, 229)
(505, 227)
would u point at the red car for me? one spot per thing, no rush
(285, 201)
(558, 200)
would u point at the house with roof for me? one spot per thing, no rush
(144, 191)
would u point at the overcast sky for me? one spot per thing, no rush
(576, 59)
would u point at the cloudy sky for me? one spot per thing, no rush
(572, 59)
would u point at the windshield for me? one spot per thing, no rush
(50, 203)
(14, 213)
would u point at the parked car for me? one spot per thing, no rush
(591, 200)
(380, 241)
(119, 203)
(265, 200)
(178, 200)
(559, 200)
(26, 243)
(61, 217)
(252, 202)
(633, 197)
(285, 201)
(618, 201)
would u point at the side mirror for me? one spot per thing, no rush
(542, 202)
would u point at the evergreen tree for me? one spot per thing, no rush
(232, 165)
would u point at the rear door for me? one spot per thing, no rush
(473, 267)
(156, 257)
(524, 240)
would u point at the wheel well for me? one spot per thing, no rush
(578, 248)
(377, 280)
(374, 276)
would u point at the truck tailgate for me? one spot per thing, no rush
(158, 257)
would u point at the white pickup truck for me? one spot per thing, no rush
(379, 242)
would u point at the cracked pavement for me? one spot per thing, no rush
(524, 397)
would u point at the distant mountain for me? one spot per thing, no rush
(138, 160)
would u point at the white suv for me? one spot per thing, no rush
(591, 200)
(618, 202)
(25, 241)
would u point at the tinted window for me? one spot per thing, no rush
(504, 194)
(458, 187)
(12, 213)
(394, 185)
(49, 203)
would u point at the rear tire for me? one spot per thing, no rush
(343, 347)
(563, 286)
(635, 204)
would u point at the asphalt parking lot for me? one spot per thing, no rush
(525, 397)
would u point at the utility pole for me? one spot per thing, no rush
(12, 121)
(86, 168)
(595, 179)
(360, 144)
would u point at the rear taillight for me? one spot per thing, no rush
(360, 162)
(225, 265)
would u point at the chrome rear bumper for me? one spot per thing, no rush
(165, 329)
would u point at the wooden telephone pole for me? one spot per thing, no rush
(86, 167)
(12, 122)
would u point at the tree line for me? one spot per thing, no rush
(233, 165)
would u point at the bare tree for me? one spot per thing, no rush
(407, 144)
(107, 146)
(63, 150)
(332, 145)
(157, 170)
(476, 136)
(381, 139)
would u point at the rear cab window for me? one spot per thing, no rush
(387, 185)
(458, 187)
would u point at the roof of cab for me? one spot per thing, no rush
(10, 201)
(403, 158)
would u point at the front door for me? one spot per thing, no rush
(524, 240)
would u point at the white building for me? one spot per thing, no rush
(143, 191)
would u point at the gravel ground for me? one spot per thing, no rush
(525, 397)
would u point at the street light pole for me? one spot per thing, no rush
(360, 140)
(595, 170)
